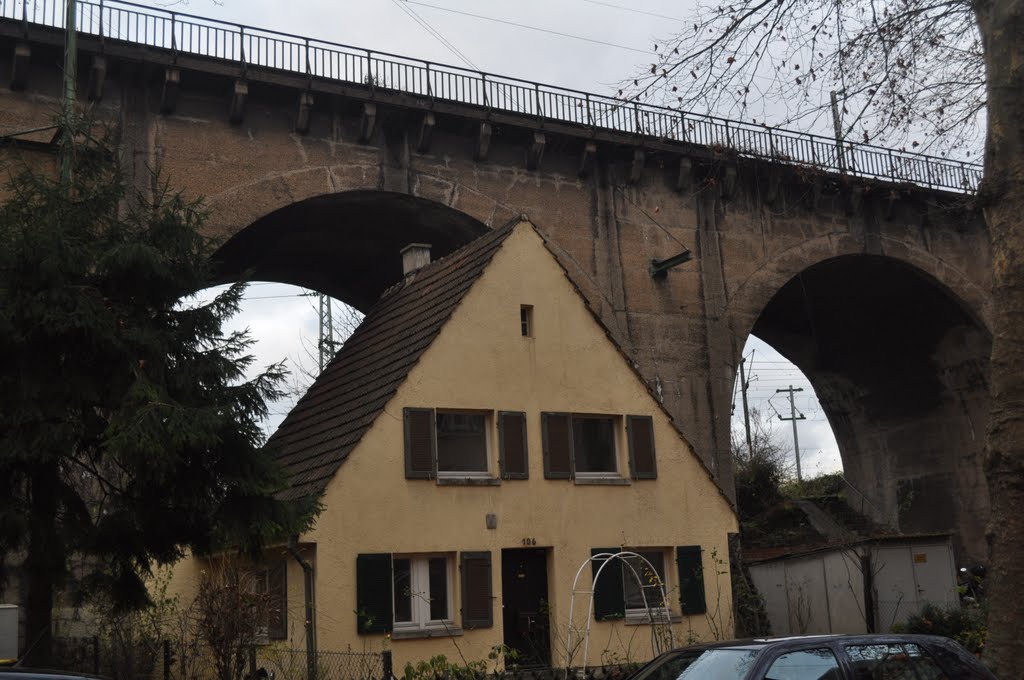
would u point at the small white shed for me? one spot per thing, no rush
(857, 587)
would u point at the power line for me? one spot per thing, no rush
(436, 34)
(528, 27)
(634, 10)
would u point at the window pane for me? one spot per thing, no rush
(891, 662)
(808, 664)
(461, 442)
(594, 444)
(651, 579)
(403, 589)
(438, 569)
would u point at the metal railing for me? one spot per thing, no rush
(255, 47)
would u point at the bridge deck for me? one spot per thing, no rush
(248, 49)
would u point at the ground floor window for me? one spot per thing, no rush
(422, 591)
(644, 577)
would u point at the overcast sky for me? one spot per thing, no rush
(591, 45)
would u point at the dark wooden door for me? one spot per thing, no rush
(524, 592)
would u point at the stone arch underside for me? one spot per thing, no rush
(900, 366)
(343, 244)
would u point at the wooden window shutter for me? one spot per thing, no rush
(277, 600)
(420, 443)
(691, 579)
(640, 432)
(374, 610)
(477, 596)
(557, 433)
(512, 453)
(609, 601)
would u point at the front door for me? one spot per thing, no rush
(524, 591)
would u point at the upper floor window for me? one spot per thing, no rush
(461, 443)
(448, 443)
(585, 446)
(526, 320)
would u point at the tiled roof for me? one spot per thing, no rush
(341, 405)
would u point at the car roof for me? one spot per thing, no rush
(12, 672)
(799, 640)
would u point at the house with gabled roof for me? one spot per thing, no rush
(474, 443)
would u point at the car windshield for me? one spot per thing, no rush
(707, 664)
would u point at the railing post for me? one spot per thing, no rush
(174, 34)
(24, 17)
(536, 96)
(369, 70)
(430, 88)
(241, 44)
(309, 70)
(637, 128)
(590, 114)
(892, 165)
(102, 36)
(483, 90)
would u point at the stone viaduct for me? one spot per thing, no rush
(317, 175)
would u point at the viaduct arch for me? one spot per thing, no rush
(320, 182)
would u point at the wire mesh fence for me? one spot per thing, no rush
(293, 664)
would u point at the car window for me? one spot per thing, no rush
(892, 662)
(806, 664)
(666, 668)
(720, 664)
(957, 662)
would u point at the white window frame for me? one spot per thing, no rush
(419, 587)
(639, 614)
(616, 447)
(488, 445)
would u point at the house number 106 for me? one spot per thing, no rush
(529, 541)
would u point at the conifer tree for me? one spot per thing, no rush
(129, 433)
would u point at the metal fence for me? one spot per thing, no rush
(291, 664)
(255, 47)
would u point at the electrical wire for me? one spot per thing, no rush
(634, 10)
(436, 34)
(527, 26)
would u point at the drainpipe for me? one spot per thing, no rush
(307, 573)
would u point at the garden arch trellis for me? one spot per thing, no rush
(655, 615)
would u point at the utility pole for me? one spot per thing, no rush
(794, 417)
(326, 339)
(746, 410)
(837, 127)
(70, 76)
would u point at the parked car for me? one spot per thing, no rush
(19, 673)
(819, 657)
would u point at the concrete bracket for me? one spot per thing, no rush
(685, 179)
(536, 151)
(890, 204)
(236, 112)
(97, 76)
(636, 171)
(20, 66)
(854, 199)
(772, 194)
(817, 187)
(368, 122)
(728, 181)
(588, 159)
(483, 142)
(172, 86)
(426, 132)
(304, 114)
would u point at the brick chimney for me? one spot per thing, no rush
(415, 256)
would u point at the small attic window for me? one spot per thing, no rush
(526, 320)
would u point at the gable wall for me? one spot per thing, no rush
(481, 361)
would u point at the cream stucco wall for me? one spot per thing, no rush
(481, 361)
